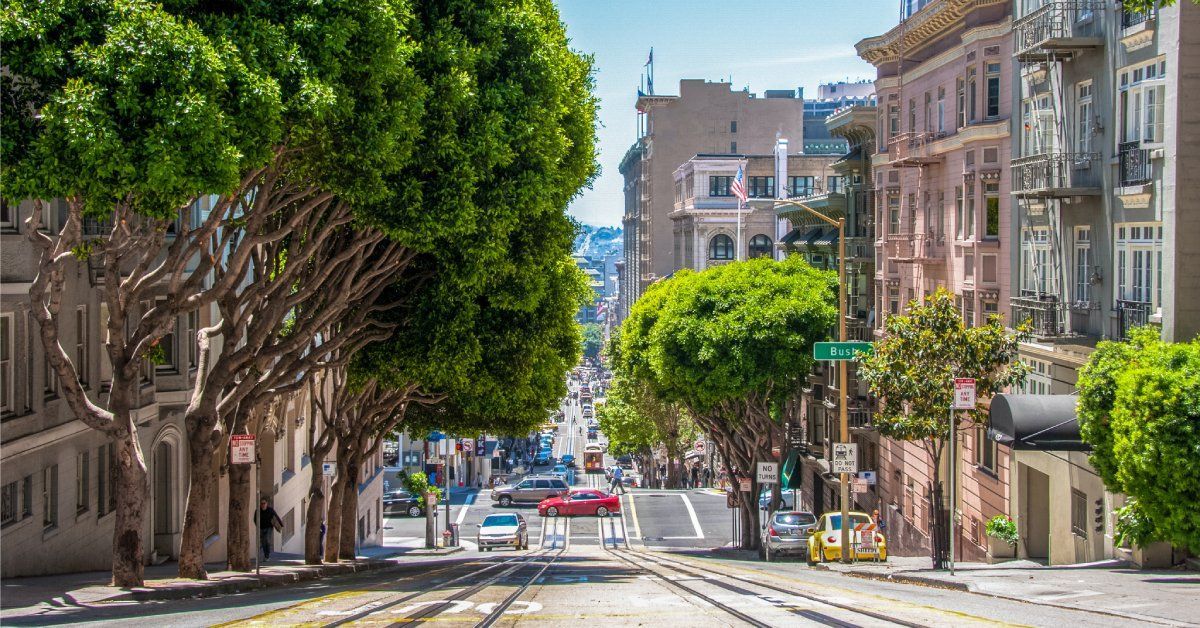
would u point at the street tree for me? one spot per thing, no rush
(593, 340)
(1139, 409)
(730, 344)
(638, 423)
(912, 372)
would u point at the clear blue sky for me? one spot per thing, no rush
(763, 44)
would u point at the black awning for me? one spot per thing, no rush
(1045, 422)
(793, 235)
(791, 479)
(828, 238)
(802, 236)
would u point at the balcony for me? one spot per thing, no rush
(915, 248)
(1131, 314)
(1129, 19)
(857, 329)
(1058, 30)
(1057, 175)
(859, 418)
(1134, 164)
(912, 150)
(1041, 312)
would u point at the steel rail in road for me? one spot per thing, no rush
(618, 554)
(500, 609)
(698, 570)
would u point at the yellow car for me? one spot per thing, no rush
(825, 544)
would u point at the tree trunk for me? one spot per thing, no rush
(349, 505)
(314, 515)
(195, 519)
(240, 547)
(132, 488)
(333, 520)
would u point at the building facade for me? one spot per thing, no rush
(941, 175)
(58, 498)
(705, 118)
(832, 97)
(708, 230)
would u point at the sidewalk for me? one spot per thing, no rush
(1108, 587)
(85, 589)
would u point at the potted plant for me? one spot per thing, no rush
(1002, 538)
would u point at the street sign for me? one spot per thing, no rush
(859, 486)
(845, 458)
(700, 446)
(241, 449)
(744, 484)
(868, 476)
(480, 446)
(433, 460)
(328, 469)
(795, 434)
(964, 393)
(435, 436)
(837, 351)
(768, 473)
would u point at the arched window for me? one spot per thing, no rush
(760, 246)
(720, 247)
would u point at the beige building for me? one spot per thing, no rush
(705, 118)
(709, 229)
(57, 495)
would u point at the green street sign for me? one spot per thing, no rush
(835, 351)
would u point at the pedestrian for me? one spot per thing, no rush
(321, 542)
(617, 476)
(695, 476)
(708, 477)
(879, 521)
(268, 521)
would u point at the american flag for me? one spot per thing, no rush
(738, 187)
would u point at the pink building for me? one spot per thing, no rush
(941, 177)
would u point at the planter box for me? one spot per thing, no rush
(1153, 556)
(999, 551)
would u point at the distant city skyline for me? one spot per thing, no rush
(760, 45)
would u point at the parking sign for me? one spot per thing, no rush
(964, 393)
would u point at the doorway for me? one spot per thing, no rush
(165, 487)
(1035, 513)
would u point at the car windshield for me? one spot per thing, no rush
(500, 520)
(835, 521)
(795, 518)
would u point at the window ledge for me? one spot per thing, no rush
(988, 472)
(49, 532)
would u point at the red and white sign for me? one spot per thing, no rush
(700, 446)
(964, 393)
(859, 486)
(241, 449)
(744, 484)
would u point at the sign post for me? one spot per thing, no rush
(964, 399)
(241, 451)
(768, 473)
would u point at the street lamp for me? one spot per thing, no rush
(843, 415)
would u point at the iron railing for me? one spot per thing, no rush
(1040, 311)
(1131, 314)
(1134, 163)
(1056, 171)
(1055, 20)
(1133, 18)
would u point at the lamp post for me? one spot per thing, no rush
(843, 415)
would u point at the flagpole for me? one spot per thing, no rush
(738, 257)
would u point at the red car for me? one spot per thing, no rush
(585, 501)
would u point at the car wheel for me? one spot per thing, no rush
(601, 511)
(505, 500)
(552, 512)
(414, 511)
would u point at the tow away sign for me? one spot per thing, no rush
(964, 393)
(241, 449)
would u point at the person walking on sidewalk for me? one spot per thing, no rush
(268, 521)
(617, 474)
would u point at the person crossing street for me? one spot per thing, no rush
(617, 477)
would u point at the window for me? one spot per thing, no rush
(7, 388)
(50, 497)
(968, 309)
(1079, 515)
(893, 214)
(81, 344)
(167, 344)
(289, 525)
(941, 110)
(103, 468)
(719, 186)
(1139, 263)
(1083, 117)
(1038, 380)
(193, 326)
(1083, 265)
(990, 309)
(50, 387)
(912, 115)
(762, 187)
(893, 121)
(912, 214)
(894, 301)
(83, 465)
(991, 193)
(733, 126)
(928, 112)
(9, 503)
(801, 186)
(988, 269)
(760, 246)
(1143, 90)
(969, 268)
(961, 103)
(972, 97)
(720, 247)
(8, 216)
(1035, 272)
(985, 449)
(1037, 125)
(733, 147)
(959, 226)
(836, 185)
(993, 90)
(27, 497)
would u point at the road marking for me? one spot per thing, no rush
(692, 513)
(637, 525)
(529, 607)
(462, 513)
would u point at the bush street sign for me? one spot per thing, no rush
(836, 351)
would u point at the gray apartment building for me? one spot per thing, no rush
(705, 118)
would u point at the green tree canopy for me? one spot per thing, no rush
(1139, 408)
(593, 339)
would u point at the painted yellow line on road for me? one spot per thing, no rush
(637, 526)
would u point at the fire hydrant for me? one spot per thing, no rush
(446, 538)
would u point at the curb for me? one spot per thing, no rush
(910, 579)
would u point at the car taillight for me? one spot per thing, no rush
(831, 539)
(774, 532)
(878, 538)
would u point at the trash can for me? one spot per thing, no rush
(454, 535)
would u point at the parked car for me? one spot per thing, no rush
(542, 457)
(563, 472)
(587, 501)
(787, 499)
(626, 461)
(401, 502)
(825, 539)
(786, 532)
(503, 530)
(530, 491)
(568, 459)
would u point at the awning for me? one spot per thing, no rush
(693, 454)
(1045, 422)
(828, 238)
(791, 479)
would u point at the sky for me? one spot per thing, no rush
(762, 44)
